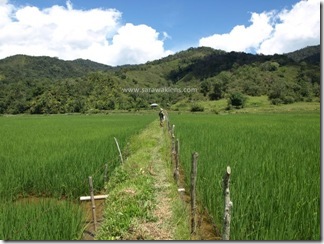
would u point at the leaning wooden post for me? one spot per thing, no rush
(93, 204)
(228, 204)
(120, 155)
(177, 156)
(193, 191)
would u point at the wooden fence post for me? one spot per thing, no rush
(177, 160)
(172, 131)
(193, 191)
(173, 149)
(93, 204)
(120, 154)
(228, 205)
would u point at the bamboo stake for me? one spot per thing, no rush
(193, 191)
(120, 154)
(228, 205)
(93, 204)
(173, 150)
(176, 171)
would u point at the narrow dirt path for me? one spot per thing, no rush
(159, 169)
(143, 201)
(140, 206)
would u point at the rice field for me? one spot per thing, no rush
(49, 158)
(275, 162)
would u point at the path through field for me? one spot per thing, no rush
(159, 169)
(170, 214)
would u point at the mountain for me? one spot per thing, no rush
(50, 85)
(20, 67)
(310, 54)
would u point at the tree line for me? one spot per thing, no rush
(44, 85)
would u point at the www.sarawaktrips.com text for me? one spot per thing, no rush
(159, 90)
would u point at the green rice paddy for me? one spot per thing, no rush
(50, 158)
(275, 162)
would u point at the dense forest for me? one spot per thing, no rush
(45, 85)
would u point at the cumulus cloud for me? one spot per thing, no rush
(144, 44)
(242, 38)
(295, 29)
(273, 32)
(68, 33)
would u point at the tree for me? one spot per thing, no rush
(237, 100)
(205, 87)
(217, 91)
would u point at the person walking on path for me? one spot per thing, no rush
(162, 117)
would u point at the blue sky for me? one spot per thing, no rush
(129, 31)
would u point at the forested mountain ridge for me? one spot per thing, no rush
(310, 54)
(19, 67)
(50, 85)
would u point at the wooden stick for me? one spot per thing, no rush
(98, 197)
(120, 154)
(93, 204)
(176, 171)
(193, 191)
(228, 205)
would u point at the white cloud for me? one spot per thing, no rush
(145, 44)
(273, 32)
(69, 34)
(296, 29)
(242, 38)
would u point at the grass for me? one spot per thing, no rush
(138, 191)
(52, 157)
(30, 220)
(275, 161)
(253, 105)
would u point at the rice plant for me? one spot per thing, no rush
(41, 219)
(52, 157)
(275, 161)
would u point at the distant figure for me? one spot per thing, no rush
(161, 115)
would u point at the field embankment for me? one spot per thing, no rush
(143, 201)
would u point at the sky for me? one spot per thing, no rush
(118, 32)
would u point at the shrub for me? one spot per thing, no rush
(288, 99)
(237, 100)
(276, 101)
(197, 108)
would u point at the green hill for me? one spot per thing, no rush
(50, 85)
